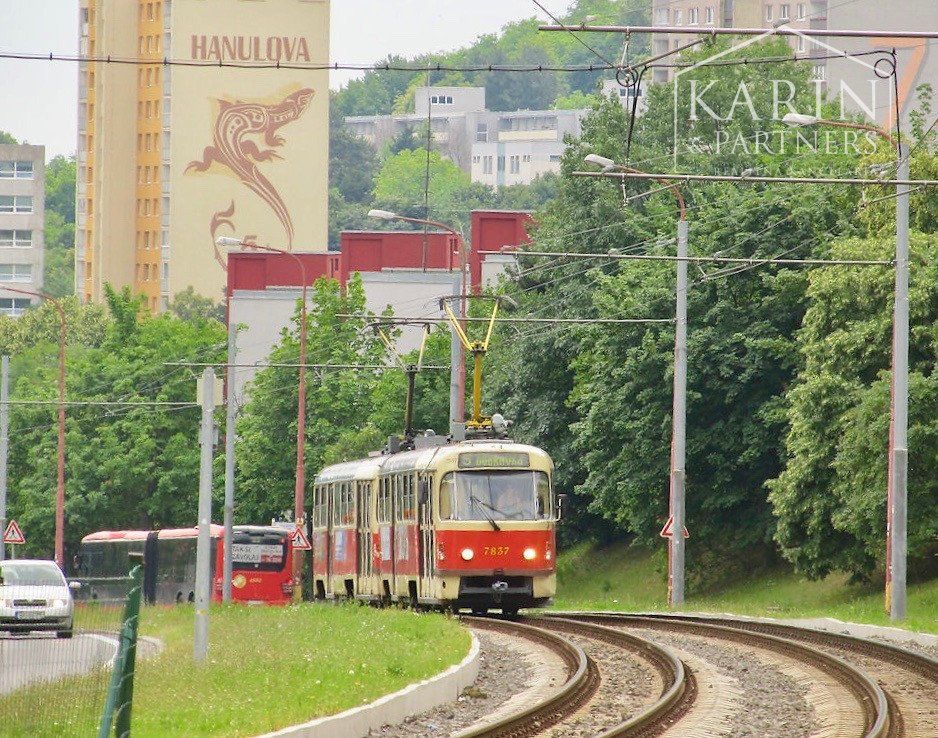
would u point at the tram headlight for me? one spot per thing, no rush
(467, 554)
(548, 555)
(529, 554)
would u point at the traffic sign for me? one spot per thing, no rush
(666, 531)
(13, 534)
(300, 540)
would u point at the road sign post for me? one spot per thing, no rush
(203, 577)
(4, 440)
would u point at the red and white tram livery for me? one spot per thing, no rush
(468, 525)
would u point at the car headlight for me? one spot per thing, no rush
(6, 604)
(467, 554)
(529, 554)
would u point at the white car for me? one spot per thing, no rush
(35, 596)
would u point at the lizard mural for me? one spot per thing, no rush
(234, 147)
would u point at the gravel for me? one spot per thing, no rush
(627, 686)
(771, 705)
(502, 674)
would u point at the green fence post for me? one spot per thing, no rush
(120, 691)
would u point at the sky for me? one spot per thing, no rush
(38, 100)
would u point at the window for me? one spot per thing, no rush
(555, 158)
(16, 204)
(146, 243)
(802, 11)
(820, 72)
(16, 272)
(16, 239)
(487, 165)
(407, 494)
(146, 268)
(801, 43)
(501, 163)
(678, 16)
(482, 132)
(768, 13)
(13, 306)
(693, 16)
(16, 170)
(515, 164)
(384, 500)
(709, 15)
(784, 11)
(662, 16)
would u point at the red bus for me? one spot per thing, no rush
(262, 564)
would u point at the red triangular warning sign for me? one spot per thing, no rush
(300, 540)
(666, 531)
(13, 534)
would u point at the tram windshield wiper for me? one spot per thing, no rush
(482, 505)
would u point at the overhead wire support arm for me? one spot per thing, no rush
(717, 31)
(569, 321)
(711, 259)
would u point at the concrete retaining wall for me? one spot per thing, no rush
(393, 708)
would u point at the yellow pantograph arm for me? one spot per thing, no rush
(458, 328)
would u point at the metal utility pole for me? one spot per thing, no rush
(899, 462)
(203, 575)
(230, 411)
(678, 442)
(455, 360)
(4, 442)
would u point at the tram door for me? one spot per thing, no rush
(363, 526)
(426, 532)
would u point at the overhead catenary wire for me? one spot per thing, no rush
(535, 320)
(714, 259)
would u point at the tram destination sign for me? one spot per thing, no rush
(486, 459)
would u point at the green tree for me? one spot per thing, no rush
(127, 465)
(7, 138)
(59, 277)
(352, 161)
(192, 307)
(830, 500)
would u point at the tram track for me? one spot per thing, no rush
(881, 717)
(678, 689)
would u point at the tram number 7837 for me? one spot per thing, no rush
(495, 550)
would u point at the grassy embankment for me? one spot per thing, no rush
(267, 668)
(619, 578)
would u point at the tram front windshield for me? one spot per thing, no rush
(495, 495)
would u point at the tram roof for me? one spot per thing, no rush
(421, 459)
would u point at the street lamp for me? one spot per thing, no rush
(457, 396)
(898, 461)
(679, 408)
(60, 467)
(299, 491)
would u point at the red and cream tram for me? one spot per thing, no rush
(463, 525)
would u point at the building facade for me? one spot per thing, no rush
(397, 268)
(170, 157)
(494, 148)
(22, 224)
(851, 81)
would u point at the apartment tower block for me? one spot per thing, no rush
(231, 142)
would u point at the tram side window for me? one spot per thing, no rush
(408, 509)
(320, 509)
(384, 500)
(446, 497)
(345, 504)
(544, 499)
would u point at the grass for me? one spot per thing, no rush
(267, 668)
(620, 578)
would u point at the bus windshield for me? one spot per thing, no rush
(495, 495)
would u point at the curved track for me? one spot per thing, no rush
(677, 696)
(882, 716)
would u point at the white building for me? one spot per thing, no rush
(22, 224)
(495, 148)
